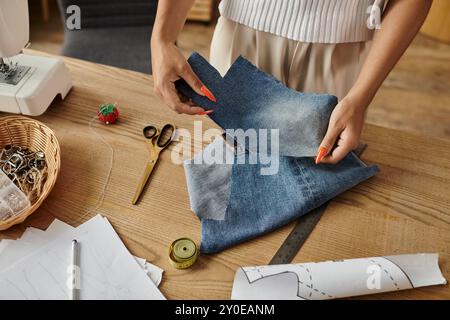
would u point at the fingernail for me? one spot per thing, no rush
(321, 154)
(204, 113)
(208, 93)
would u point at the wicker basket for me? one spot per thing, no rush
(26, 132)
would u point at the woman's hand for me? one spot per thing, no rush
(402, 20)
(170, 65)
(344, 130)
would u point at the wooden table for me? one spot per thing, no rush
(404, 209)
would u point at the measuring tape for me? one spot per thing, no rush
(183, 253)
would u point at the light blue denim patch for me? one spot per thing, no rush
(235, 202)
(209, 184)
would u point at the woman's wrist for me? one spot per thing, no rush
(359, 98)
(160, 40)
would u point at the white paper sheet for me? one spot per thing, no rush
(337, 279)
(155, 273)
(3, 244)
(32, 239)
(108, 270)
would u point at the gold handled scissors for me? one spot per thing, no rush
(157, 141)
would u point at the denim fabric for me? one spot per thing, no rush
(248, 98)
(234, 201)
(209, 184)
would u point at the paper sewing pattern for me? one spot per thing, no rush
(337, 279)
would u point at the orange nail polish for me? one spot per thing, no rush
(204, 113)
(208, 93)
(321, 154)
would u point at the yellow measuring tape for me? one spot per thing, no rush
(183, 253)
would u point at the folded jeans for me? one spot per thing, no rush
(233, 200)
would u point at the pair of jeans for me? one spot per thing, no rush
(233, 200)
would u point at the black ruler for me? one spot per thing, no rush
(295, 240)
(302, 229)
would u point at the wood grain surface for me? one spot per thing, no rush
(404, 209)
(415, 97)
(437, 24)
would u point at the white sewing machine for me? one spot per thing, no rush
(28, 84)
